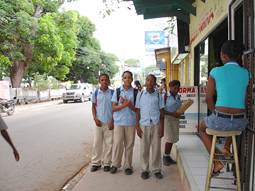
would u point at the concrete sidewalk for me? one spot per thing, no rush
(100, 180)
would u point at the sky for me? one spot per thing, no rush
(123, 32)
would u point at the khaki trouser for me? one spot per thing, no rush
(150, 137)
(124, 137)
(102, 136)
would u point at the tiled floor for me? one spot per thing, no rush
(195, 159)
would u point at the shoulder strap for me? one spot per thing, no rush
(112, 91)
(165, 97)
(118, 94)
(96, 92)
(135, 94)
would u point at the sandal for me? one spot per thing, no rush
(214, 174)
(226, 151)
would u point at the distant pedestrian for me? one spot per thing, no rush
(171, 128)
(103, 133)
(124, 124)
(150, 127)
(138, 85)
(3, 129)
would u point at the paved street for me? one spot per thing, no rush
(54, 143)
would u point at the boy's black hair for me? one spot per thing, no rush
(232, 49)
(153, 77)
(174, 83)
(127, 72)
(103, 75)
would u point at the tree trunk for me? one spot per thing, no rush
(17, 71)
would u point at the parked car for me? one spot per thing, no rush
(78, 92)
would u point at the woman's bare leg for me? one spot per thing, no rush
(207, 140)
(226, 149)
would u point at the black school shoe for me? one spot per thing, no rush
(95, 168)
(167, 160)
(113, 169)
(106, 168)
(128, 171)
(144, 175)
(158, 175)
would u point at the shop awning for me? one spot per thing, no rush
(165, 8)
(162, 55)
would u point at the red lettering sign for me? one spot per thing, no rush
(205, 22)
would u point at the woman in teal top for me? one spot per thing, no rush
(230, 82)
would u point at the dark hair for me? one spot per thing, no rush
(152, 76)
(174, 83)
(104, 75)
(127, 72)
(232, 49)
(137, 83)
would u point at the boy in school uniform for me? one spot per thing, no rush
(124, 124)
(171, 131)
(103, 133)
(150, 127)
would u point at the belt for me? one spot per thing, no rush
(228, 116)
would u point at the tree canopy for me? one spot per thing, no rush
(36, 37)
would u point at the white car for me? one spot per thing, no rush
(78, 92)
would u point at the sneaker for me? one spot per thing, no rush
(144, 175)
(106, 168)
(128, 171)
(94, 168)
(113, 169)
(158, 175)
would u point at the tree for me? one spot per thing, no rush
(33, 34)
(150, 69)
(108, 64)
(55, 40)
(89, 57)
(132, 62)
(18, 24)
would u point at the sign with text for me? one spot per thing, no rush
(189, 120)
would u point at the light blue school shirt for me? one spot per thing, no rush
(172, 104)
(104, 105)
(231, 85)
(125, 116)
(149, 105)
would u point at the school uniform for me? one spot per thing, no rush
(171, 125)
(124, 130)
(102, 135)
(150, 124)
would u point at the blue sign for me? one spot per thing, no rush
(154, 37)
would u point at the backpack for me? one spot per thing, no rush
(165, 97)
(96, 92)
(135, 94)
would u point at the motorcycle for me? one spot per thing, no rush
(7, 106)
